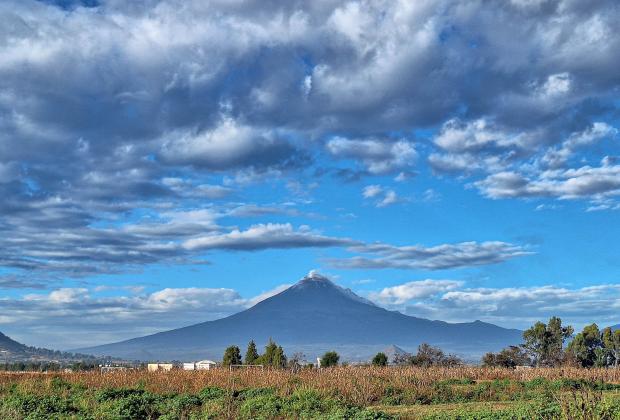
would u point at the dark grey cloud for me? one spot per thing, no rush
(440, 257)
(102, 108)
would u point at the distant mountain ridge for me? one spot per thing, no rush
(11, 351)
(395, 353)
(313, 315)
(7, 344)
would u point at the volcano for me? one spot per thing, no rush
(313, 316)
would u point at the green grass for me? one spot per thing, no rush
(66, 401)
(448, 399)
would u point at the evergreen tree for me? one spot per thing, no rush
(274, 356)
(251, 354)
(270, 351)
(279, 358)
(232, 356)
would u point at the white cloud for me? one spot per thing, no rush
(75, 317)
(557, 157)
(229, 144)
(556, 85)
(517, 307)
(383, 197)
(379, 156)
(390, 198)
(265, 236)
(457, 136)
(584, 182)
(187, 188)
(440, 257)
(515, 168)
(372, 191)
(420, 289)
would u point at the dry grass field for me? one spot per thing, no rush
(345, 392)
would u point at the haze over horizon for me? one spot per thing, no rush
(169, 162)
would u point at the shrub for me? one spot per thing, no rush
(330, 359)
(380, 359)
(108, 394)
(250, 393)
(261, 407)
(212, 393)
(135, 406)
(40, 407)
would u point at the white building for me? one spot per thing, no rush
(202, 365)
(205, 365)
(154, 367)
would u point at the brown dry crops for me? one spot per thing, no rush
(359, 385)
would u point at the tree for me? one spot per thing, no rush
(510, 357)
(535, 341)
(587, 347)
(380, 359)
(557, 335)
(433, 356)
(232, 356)
(251, 354)
(545, 343)
(296, 361)
(274, 355)
(269, 354)
(279, 358)
(611, 342)
(427, 355)
(330, 359)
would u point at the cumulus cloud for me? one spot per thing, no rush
(440, 257)
(517, 307)
(382, 197)
(225, 146)
(515, 166)
(167, 98)
(58, 318)
(379, 156)
(582, 182)
(414, 290)
(557, 157)
(457, 137)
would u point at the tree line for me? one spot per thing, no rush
(544, 345)
(275, 357)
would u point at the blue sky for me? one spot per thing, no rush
(168, 162)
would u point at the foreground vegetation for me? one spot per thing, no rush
(346, 392)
